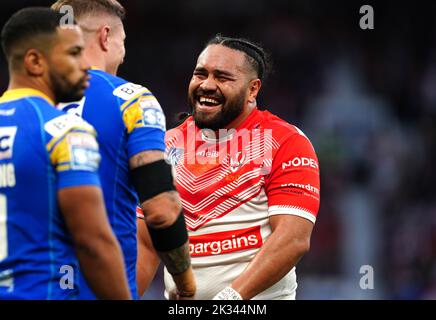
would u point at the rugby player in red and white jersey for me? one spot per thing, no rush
(248, 180)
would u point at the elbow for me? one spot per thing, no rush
(301, 247)
(163, 210)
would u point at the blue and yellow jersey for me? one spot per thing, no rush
(128, 120)
(42, 150)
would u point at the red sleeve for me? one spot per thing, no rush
(293, 185)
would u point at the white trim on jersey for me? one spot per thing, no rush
(292, 210)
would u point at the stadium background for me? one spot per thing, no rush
(366, 99)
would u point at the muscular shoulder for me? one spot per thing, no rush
(121, 90)
(280, 129)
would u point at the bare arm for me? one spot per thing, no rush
(289, 241)
(148, 261)
(161, 212)
(97, 249)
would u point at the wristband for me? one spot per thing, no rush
(228, 293)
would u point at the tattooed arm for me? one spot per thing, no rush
(161, 213)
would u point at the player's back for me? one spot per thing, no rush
(34, 242)
(128, 120)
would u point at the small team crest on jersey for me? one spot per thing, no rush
(237, 161)
(84, 152)
(154, 118)
(82, 140)
(84, 159)
(152, 113)
(173, 155)
(7, 138)
(147, 102)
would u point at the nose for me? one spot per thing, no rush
(208, 84)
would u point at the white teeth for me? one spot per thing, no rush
(208, 100)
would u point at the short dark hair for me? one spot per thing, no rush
(83, 7)
(257, 57)
(26, 24)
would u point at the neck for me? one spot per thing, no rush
(241, 118)
(36, 83)
(95, 57)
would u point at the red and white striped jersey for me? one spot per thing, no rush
(231, 184)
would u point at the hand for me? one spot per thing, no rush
(185, 286)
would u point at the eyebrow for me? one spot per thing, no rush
(216, 72)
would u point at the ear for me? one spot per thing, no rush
(103, 38)
(34, 62)
(253, 90)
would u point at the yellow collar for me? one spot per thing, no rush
(16, 94)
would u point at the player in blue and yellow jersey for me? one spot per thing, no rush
(52, 214)
(130, 125)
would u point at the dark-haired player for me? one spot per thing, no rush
(51, 205)
(130, 127)
(248, 180)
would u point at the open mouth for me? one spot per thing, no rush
(208, 102)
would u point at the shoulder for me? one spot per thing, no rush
(40, 109)
(103, 78)
(36, 103)
(58, 124)
(180, 130)
(120, 89)
(280, 129)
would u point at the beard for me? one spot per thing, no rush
(230, 110)
(64, 90)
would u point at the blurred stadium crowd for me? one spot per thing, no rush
(365, 98)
